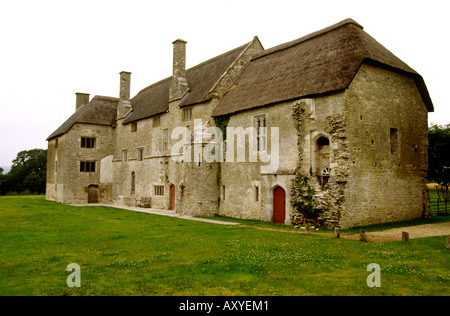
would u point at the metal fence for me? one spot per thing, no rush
(439, 207)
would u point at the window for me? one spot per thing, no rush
(133, 127)
(87, 166)
(256, 193)
(56, 144)
(156, 121)
(140, 154)
(87, 142)
(56, 166)
(187, 114)
(261, 132)
(182, 190)
(133, 183)
(322, 160)
(159, 190)
(124, 155)
(394, 140)
(165, 140)
(223, 192)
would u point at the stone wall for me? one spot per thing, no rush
(377, 132)
(386, 123)
(246, 191)
(67, 184)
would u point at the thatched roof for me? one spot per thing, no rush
(322, 62)
(154, 99)
(100, 110)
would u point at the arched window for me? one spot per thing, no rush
(322, 159)
(133, 182)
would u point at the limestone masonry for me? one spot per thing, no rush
(227, 136)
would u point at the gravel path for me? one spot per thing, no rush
(420, 231)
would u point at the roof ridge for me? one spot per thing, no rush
(198, 65)
(307, 37)
(104, 97)
(219, 56)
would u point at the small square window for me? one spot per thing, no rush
(187, 114)
(133, 127)
(87, 166)
(159, 190)
(87, 142)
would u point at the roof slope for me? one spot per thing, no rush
(100, 110)
(154, 99)
(318, 63)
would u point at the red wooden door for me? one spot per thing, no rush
(279, 205)
(172, 197)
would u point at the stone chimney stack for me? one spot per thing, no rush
(81, 99)
(124, 106)
(125, 83)
(179, 85)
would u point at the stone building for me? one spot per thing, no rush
(334, 105)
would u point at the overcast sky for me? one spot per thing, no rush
(52, 49)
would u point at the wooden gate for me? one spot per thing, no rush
(93, 194)
(172, 197)
(279, 205)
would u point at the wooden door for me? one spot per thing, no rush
(93, 194)
(279, 205)
(172, 197)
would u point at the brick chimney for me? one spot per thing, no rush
(179, 85)
(124, 106)
(81, 99)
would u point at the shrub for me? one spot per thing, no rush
(302, 200)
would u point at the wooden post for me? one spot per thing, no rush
(362, 236)
(337, 232)
(405, 238)
(308, 228)
(447, 243)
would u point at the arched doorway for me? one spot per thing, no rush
(172, 197)
(279, 205)
(93, 194)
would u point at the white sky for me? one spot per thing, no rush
(52, 49)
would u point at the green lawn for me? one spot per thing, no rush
(128, 253)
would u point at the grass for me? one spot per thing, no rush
(128, 253)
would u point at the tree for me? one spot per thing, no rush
(439, 158)
(28, 172)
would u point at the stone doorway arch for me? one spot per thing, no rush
(279, 205)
